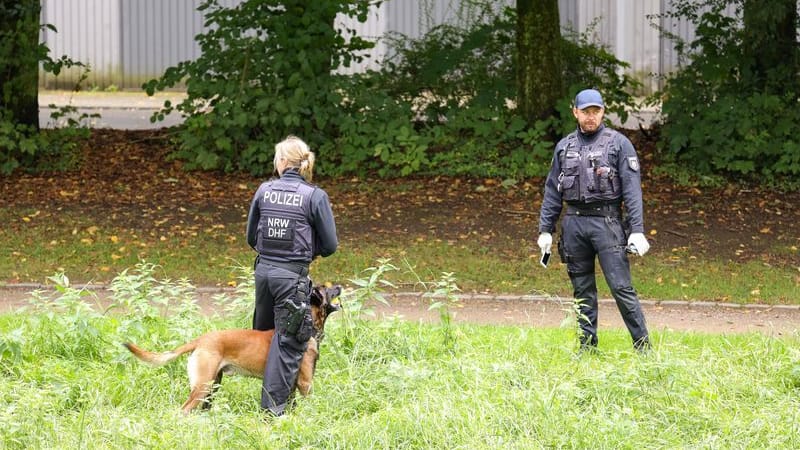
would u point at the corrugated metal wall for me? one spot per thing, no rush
(87, 32)
(669, 57)
(372, 29)
(151, 40)
(642, 42)
(128, 42)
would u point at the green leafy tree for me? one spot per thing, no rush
(769, 37)
(442, 103)
(22, 144)
(732, 109)
(266, 71)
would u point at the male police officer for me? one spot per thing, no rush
(289, 224)
(595, 170)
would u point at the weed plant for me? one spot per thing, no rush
(390, 384)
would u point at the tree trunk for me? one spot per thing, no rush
(771, 44)
(539, 60)
(19, 61)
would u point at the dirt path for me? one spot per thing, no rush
(542, 312)
(680, 316)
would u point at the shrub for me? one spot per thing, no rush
(443, 104)
(722, 115)
(264, 73)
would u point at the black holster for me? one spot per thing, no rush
(298, 321)
(562, 253)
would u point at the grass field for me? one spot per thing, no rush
(76, 245)
(68, 383)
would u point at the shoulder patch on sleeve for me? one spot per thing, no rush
(633, 163)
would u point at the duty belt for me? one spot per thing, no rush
(599, 210)
(297, 268)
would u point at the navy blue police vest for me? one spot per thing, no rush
(284, 231)
(589, 172)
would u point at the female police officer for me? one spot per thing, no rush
(290, 223)
(595, 170)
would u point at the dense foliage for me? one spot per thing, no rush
(727, 112)
(265, 72)
(445, 103)
(439, 104)
(21, 142)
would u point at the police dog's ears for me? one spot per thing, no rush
(322, 295)
(317, 296)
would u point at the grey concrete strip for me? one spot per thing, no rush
(116, 110)
(132, 109)
(104, 100)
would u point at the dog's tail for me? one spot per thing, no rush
(159, 359)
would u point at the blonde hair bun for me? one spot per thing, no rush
(297, 155)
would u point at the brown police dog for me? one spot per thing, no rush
(242, 352)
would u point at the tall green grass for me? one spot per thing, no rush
(68, 383)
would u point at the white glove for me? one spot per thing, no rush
(639, 242)
(545, 242)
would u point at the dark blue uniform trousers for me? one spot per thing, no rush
(274, 287)
(585, 238)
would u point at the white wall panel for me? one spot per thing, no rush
(87, 32)
(374, 27)
(157, 34)
(670, 60)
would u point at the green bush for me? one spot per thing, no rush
(722, 115)
(443, 104)
(455, 67)
(374, 134)
(23, 146)
(735, 134)
(265, 72)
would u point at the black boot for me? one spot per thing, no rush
(642, 345)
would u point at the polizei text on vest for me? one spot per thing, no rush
(283, 198)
